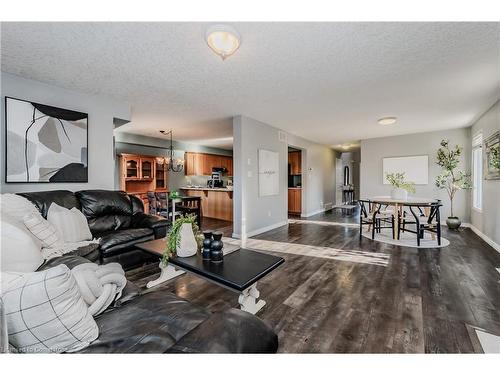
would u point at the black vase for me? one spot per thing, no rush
(216, 254)
(207, 242)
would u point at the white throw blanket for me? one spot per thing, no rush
(99, 285)
(67, 247)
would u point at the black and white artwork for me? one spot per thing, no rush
(44, 143)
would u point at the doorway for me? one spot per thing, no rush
(295, 181)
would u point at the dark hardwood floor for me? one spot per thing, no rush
(335, 215)
(423, 300)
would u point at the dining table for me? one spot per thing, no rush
(399, 204)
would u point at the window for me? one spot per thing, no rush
(477, 171)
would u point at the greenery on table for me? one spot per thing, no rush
(495, 157)
(174, 194)
(174, 238)
(398, 180)
(451, 179)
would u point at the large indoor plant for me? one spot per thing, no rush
(401, 187)
(451, 179)
(183, 238)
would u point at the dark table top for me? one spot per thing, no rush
(239, 270)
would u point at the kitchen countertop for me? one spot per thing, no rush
(297, 188)
(205, 189)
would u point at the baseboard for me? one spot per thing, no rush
(484, 237)
(262, 230)
(313, 213)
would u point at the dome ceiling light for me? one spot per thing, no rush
(387, 120)
(223, 40)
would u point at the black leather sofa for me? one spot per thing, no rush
(161, 322)
(153, 321)
(115, 217)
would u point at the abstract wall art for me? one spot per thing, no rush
(492, 157)
(44, 143)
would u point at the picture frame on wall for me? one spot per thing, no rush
(492, 157)
(44, 144)
(269, 183)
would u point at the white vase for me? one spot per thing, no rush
(187, 244)
(399, 193)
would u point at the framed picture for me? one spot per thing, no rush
(269, 183)
(492, 157)
(415, 168)
(44, 143)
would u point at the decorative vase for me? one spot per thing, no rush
(453, 222)
(207, 242)
(216, 254)
(187, 246)
(399, 193)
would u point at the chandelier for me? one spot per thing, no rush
(171, 162)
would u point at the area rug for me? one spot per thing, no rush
(343, 255)
(406, 239)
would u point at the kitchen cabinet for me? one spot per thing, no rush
(295, 161)
(216, 204)
(161, 175)
(147, 168)
(295, 201)
(198, 164)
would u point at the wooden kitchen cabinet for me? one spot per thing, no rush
(295, 161)
(295, 201)
(147, 168)
(198, 164)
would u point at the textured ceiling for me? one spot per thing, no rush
(327, 82)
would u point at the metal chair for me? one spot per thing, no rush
(163, 205)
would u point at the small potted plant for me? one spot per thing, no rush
(183, 238)
(401, 187)
(451, 179)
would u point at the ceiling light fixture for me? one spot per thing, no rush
(172, 164)
(223, 40)
(387, 120)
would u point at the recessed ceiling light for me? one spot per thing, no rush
(387, 120)
(223, 40)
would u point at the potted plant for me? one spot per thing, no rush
(401, 187)
(451, 179)
(183, 238)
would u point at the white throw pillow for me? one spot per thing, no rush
(71, 224)
(20, 251)
(15, 207)
(45, 312)
(43, 230)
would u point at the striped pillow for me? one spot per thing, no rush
(43, 230)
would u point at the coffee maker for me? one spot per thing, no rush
(216, 179)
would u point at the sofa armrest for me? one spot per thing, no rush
(159, 225)
(230, 331)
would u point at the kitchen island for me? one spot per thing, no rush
(216, 203)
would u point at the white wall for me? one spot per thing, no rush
(374, 150)
(254, 214)
(101, 111)
(488, 220)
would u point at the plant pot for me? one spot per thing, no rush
(453, 222)
(399, 193)
(187, 245)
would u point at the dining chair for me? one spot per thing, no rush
(376, 216)
(191, 205)
(153, 203)
(430, 223)
(163, 205)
